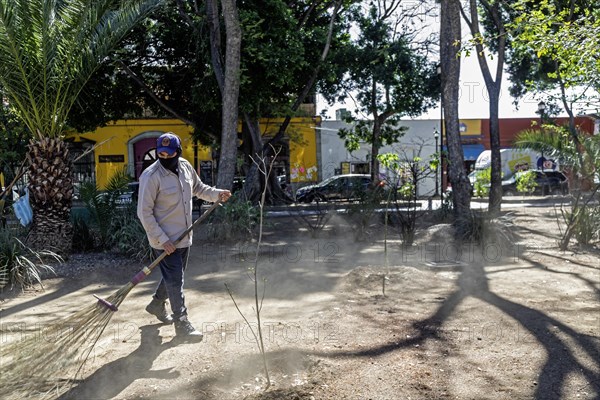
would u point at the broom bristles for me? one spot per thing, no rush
(34, 368)
(46, 364)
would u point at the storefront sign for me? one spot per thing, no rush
(111, 158)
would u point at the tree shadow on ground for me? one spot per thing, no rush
(560, 361)
(525, 231)
(112, 378)
(593, 286)
(89, 281)
(568, 260)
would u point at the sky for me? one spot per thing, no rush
(473, 101)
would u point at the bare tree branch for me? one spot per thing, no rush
(154, 97)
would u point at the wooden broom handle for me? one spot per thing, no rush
(147, 270)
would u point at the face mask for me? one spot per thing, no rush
(170, 163)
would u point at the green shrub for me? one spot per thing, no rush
(587, 225)
(20, 265)
(483, 180)
(526, 182)
(362, 213)
(484, 230)
(235, 219)
(83, 236)
(128, 234)
(103, 212)
(407, 191)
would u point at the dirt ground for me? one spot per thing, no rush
(454, 323)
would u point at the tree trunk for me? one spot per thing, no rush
(230, 95)
(450, 35)
(495, 200)
(375, 151)
(212, 14)
(493, 88)
(254, 183)
(50, 194)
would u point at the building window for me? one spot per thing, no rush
(84, 166)
(361, 168)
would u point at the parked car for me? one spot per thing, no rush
(337, 187)
(548, 182)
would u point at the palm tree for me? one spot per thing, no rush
(48, 51)
(557, 143)
(582, 159)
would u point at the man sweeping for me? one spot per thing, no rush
(165, 210)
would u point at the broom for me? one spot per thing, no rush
(44, 366)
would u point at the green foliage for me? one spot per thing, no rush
(108, 224)
(407, 190)
(404, 175)
(129, 236)
(583, 161)
(569, 36)
(48, 50)
(556, 143)
(482, 229)
(390, 78)
(13, 145)
(586, 223)
(281, 46)
(83, 236)
(362, 131)
(20, 265)
(526, 182)
(483, 180)
(102, 206)
(235, 219)
(178, 55)
(389, 160)
(363, 212)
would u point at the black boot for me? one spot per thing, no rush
(159, 310)
(186, 332)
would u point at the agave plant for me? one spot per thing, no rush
(48, 51)
(21, 265)
(584, 161)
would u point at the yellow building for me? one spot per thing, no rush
(301, 134)
(131, 144)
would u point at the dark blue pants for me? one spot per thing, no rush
(170, 287)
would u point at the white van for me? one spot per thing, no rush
(515, 160)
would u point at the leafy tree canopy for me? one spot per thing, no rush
(49, 50)
(13, 144)
(555, 43)
(171, 60)
(170, 54)
(391, 79)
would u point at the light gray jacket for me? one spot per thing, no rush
(165, 202)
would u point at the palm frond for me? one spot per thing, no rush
(118, 181)
(553, 141)
(50, 48)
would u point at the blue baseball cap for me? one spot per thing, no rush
(168, 142)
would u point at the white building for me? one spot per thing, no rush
(418, 141)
